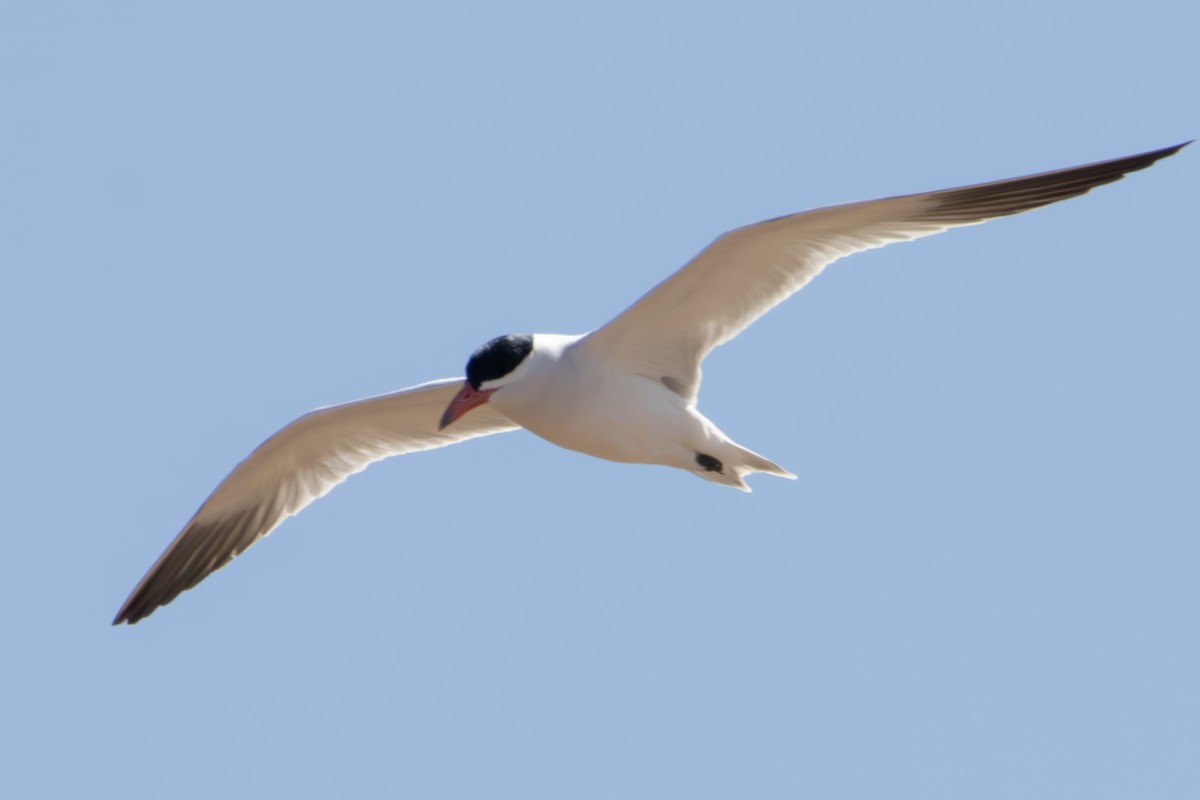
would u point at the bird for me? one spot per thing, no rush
(625, 392)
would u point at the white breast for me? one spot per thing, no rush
(585, 404)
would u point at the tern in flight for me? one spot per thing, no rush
(624, 392)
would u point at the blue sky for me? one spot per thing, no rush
(215, 217)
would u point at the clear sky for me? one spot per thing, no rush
(216, 216)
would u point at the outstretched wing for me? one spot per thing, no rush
(300, 463)
(746, 272)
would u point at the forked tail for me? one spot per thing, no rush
(738, 462)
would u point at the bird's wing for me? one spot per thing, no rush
(747, 271)
(300, 463)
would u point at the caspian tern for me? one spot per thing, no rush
(624, 392)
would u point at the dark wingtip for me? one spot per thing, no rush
(1156, 155)
(139, 604)
(1169, 151)
(970, 204)
(127, 615)
(199, 550)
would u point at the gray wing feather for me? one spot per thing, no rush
(747, 271)
(297, 465)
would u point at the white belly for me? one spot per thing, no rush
(586, 404)
(608, 414)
